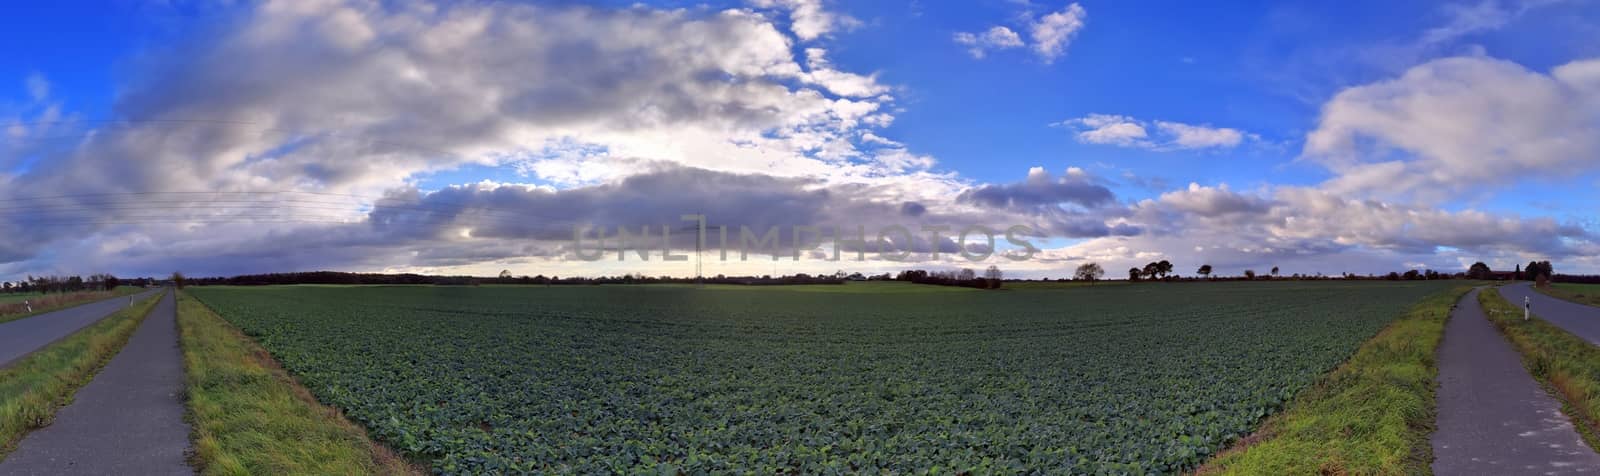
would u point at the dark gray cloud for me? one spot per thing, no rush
(913, 209)
(1214, 201)
(647, 199)
(1041, 190)
(650, 200)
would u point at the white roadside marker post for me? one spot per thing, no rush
(29, 305)
(1527, 303)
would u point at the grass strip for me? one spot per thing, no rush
(32, 389)
(249, 416)
(15, 309)
(1565, 364)
(1371, 415)
(1579, 293)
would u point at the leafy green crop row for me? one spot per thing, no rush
(1126, 379)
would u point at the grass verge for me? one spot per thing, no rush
(15, 309)
(250, 417)
(1563, 363)
(32, 389)
(1578, 293)
(1371, 415)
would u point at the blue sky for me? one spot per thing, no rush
(1252, 80)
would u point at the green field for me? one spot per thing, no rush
(632, 379)
(1578, 293)
(17, 297)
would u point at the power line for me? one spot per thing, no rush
(263, 131)
(129, 121)
(279, 203)
(378, 203)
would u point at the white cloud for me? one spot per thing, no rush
(809, 19)
(1053, 32)
(996, 38)
(1125, 131)
(1187, 136)
(842, 83)
(1467, 19)
(1111, 129)
(38, 86)
(30, 125)
(1460, 125)
(870, 138)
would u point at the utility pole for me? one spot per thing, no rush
(699, 247)
(700, 258)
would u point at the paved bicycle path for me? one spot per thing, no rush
(128, 420)
(23, 336)
(1493, 417)
(1579, 319)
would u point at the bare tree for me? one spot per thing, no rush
(1090, 272)
(993, 275)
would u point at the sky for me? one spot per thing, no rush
(221, 138)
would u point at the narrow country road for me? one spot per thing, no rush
(1493, 417)
(128, 420)
(1581, 320)
(23, 336)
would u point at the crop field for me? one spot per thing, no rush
(18, 297)
(662, 380)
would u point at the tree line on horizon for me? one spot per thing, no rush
(504, 278)
(1163, 271)
(991, 278)
(965, 277)
(69, 284)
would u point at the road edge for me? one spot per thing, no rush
(118, 292)
(1567, 366)
(1306, 437)
(37, 405)
(223, 365)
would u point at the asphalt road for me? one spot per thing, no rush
(23, 336)
(1581, 320)
(128, 420)
(1493, 417)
